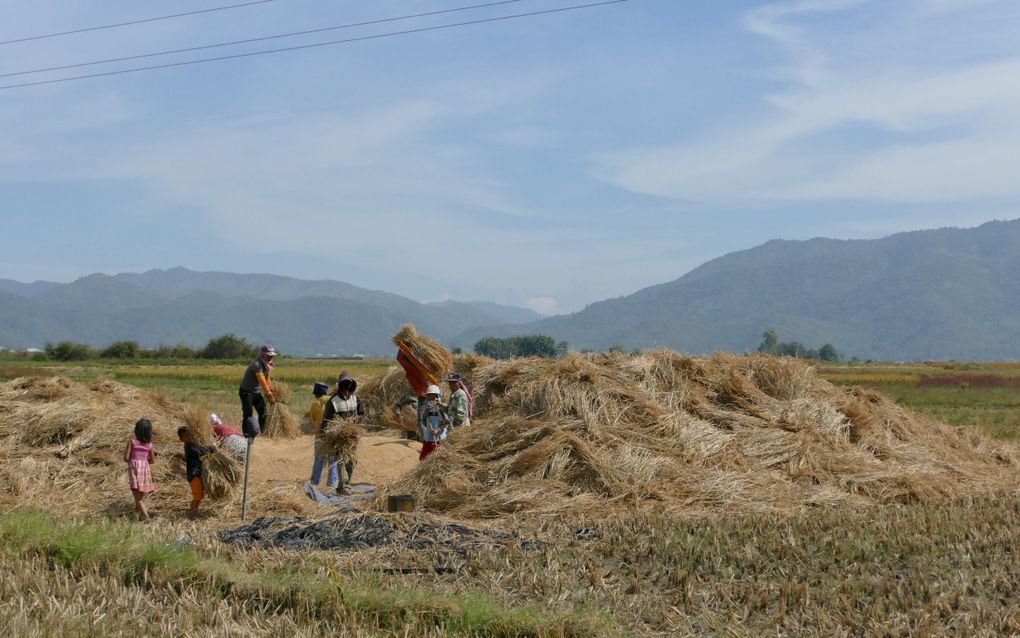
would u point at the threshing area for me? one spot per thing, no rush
(648, 494)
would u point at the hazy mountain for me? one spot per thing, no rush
(497, 312)
(182, 306)
(937, 294)
(25, 290)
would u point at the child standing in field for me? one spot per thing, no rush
(193, 465)
(139, 455)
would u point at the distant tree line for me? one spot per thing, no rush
(227, 346)
(528, 346)
(770, 344)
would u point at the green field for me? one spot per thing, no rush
(995, 410)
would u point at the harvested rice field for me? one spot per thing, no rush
(593, 495)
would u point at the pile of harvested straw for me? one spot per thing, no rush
(62, 446)
(381, 395)
(752, 432)
(433, 356)
(340, 439)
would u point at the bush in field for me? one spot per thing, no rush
(69, 351)
(121, 350)
(180, 351)
(530, 346)
(229, 346)
(770, 344)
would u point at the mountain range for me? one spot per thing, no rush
(178, 305)
(935, 294)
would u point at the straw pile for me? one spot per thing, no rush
(753, 432)
(433, 356)
(340, 439)
(62, 446)
(279, 420)
(381, 396)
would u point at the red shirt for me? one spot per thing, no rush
(222, 431)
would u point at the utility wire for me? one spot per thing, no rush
(317, 44)
(267, 37)
(124, 24)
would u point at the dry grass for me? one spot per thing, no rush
(62, 446)
(280, 422)
(340, 439)
(431, 354)
(755, 433)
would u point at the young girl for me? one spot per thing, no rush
(138, 455)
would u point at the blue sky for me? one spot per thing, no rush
(547, 162)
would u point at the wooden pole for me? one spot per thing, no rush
(244, 494)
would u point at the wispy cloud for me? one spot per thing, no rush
(933, 132)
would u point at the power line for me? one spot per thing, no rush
(268, 37)
(125, 24)
(317, 44)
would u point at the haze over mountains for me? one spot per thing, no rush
(936, 294)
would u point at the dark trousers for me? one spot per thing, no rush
(250, 401)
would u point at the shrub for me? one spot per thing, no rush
(69, 351)
(121, 350)
(229, 346)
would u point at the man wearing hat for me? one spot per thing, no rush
(460, 409)
(255, 383)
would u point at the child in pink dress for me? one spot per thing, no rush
(138, 456)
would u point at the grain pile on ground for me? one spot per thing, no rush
(62, 446)
(750, 432)
(280, 422)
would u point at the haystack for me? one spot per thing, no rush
(62, 446)
(725, 432)
(431, 354)
(381, 395)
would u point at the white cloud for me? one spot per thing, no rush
(936, 132)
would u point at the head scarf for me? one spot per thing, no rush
(265, 358)
(471, 401)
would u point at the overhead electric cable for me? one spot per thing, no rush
(125, 24)
(259, 39)
(317, 44)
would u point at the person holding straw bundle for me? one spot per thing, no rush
(193, 467)
(256, 382)
(344, 405)
(139, 456)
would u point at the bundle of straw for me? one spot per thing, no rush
(280, 423)
(220, 475)
(430, 354)
(281, 390)
(340, 439)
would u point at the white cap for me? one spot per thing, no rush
(434, 389)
